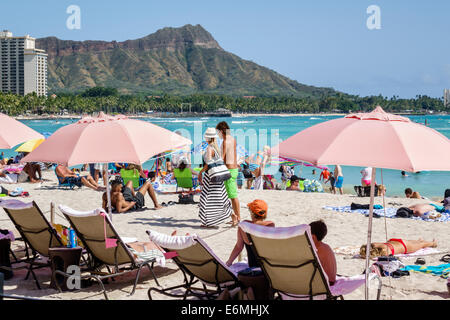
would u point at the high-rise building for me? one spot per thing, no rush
(446, 97)
(23, 68)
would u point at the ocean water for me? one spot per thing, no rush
(268, 130)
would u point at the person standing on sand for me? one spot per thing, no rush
(230, 160)
(339, 177)
(214, 206)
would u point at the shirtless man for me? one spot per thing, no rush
(230, 160)
(324, 252)
(339, 178)
(409, 193)
(125, 199)
(69, 175)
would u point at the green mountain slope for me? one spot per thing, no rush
(172, 60)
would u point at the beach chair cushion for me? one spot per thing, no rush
(172, 242)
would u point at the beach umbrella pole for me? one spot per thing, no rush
(369, 231)
(108, 194)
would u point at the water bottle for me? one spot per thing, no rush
(72, 239)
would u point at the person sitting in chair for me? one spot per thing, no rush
(125, 199)
(324, 252)
(70, 177)
(258, 212)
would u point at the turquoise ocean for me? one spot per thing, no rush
(430, 184)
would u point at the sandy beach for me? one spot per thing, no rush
(286, 208)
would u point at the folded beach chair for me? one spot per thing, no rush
(183, 178)
(289, 260)
(35, 231)
(198, 263)
(107, 248)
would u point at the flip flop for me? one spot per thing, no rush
(420, 261)
(164, 204)
(171, 203)
(445, 258)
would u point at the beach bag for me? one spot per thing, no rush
(217, 170)
(186, 198)
(404, 212)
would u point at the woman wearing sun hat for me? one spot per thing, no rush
(215, 207)
(258, 213)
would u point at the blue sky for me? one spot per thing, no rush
(321, 42)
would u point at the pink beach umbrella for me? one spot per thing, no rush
(106, 139)
(375, 139)
(13, 132)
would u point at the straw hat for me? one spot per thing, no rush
(211, 133)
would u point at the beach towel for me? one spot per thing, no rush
(442, 270)
(354, 252)
(342, 286)
(391, 213)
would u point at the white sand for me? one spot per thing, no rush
(286, 208)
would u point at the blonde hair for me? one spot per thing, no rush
(374, 252)
(213, 143)
(267, 151)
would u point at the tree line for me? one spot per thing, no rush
(111, 101)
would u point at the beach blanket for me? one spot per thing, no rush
(342, 286)
(14, 168)
(354, 252)
(390, 213)
(442, 270)
(164, 188)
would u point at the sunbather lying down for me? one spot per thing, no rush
(396, 246)
(420, 210)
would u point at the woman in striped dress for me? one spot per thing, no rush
(215, 207)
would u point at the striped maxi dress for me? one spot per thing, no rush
(215, 207)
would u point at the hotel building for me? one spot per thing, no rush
(23, 68)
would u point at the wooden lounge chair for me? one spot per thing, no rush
(35, 231)
(198, 263)
(289, 260)
(90, 229)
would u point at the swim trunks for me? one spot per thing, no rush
(339, 182)
(75, 181)
(231, 184)
(138, 198)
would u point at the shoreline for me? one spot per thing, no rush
(195, 115)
